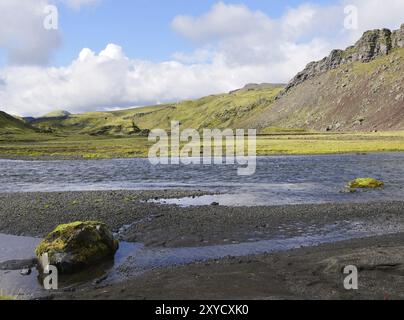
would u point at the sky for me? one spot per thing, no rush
(111, 54)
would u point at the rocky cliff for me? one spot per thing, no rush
(373, 44)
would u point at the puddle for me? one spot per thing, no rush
(134, 258)
(284, 195)
(191, 201)
(269, 194)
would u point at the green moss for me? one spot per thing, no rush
(70, 226)
(6, 298)
(365, 183)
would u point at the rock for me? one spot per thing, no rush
(72, 247)
(365, 183)
(397, 38)
(13, 265)
(25, 272)
(373, 43)
(399, 97)
(215, 204)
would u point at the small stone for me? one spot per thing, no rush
(25, 272)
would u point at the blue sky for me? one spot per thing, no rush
(110, 54)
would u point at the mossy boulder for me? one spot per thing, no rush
(75, 246)
(361, 183)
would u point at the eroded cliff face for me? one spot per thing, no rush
(372, 44)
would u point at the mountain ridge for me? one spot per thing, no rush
(373, 44)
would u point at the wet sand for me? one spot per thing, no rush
(308, 273)
(301, 273)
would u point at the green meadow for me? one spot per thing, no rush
(280, 143)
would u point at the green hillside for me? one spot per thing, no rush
(234, 110)
(13, 126)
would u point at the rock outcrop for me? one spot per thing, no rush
(397, 38)
(372, 44)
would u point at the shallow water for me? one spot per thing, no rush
(12, 283)
(134, 258)
(278, 179)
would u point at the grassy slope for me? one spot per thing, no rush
(221, 111)
(13, 129)
(9, 124)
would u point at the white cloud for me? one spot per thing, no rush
(234, 46)
(252, 39)
(22, 34)
(376, 14)
(246, 37)
(221, 22)
(110, 79)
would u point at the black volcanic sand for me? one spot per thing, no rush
(302, 273)
(309, 273)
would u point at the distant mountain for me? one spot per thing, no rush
(27, 119)
(57, 114)
(217, 111)
(260, 86)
